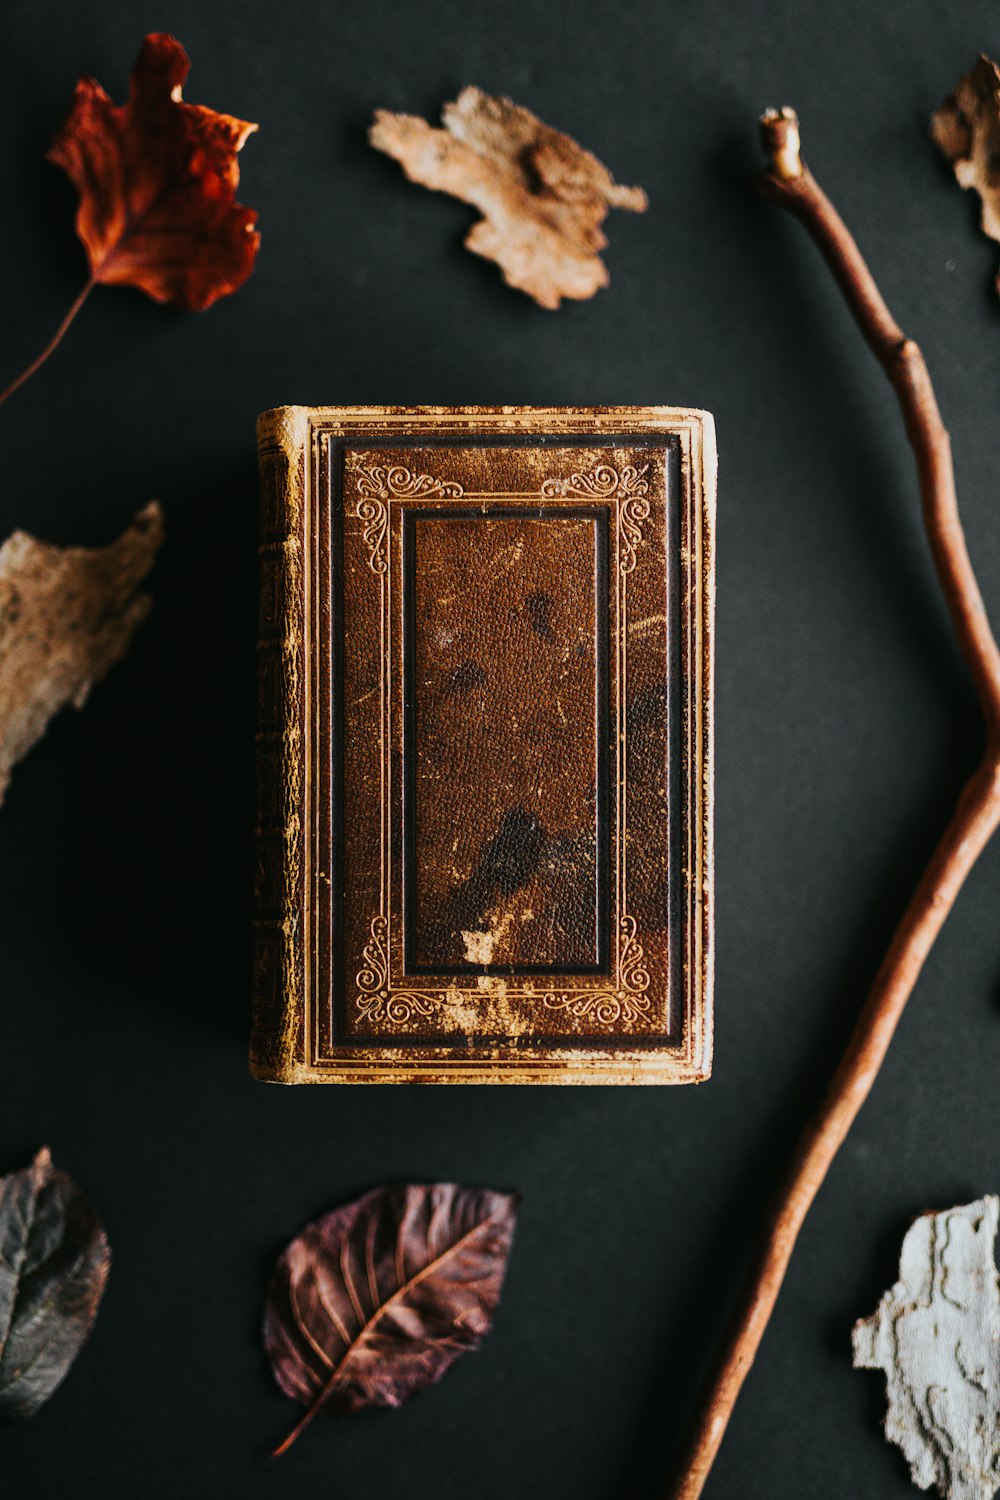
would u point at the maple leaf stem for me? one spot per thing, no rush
(53, 343)
(788, 181)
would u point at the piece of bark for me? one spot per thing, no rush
(543, 198)
(936, 1334)
(967, 129)
(66, 617)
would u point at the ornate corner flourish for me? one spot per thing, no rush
(382, 482)
(394, 482)
(629, 1002)
(629, 486)
(375, 1000)
(374, 517)
(601, 483)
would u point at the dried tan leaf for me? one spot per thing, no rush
(66, 617)
(543, 198)
(967, 128)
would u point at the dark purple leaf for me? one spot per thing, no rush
(54, 1262)
(377, 1300)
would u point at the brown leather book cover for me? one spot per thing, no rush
(484, 841)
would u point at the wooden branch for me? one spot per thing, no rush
(789, 182)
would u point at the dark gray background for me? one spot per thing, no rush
(845, 723)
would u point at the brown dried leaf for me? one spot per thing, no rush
(967, 128)
(543, 198)
(54, 1264)
(377, 1300)
(66, 617)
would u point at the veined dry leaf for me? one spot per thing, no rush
(157, 182)
(543, 198)
(936, 1334)
(54, 1263)
(66, 616)
(377, 1300)
(967, 128)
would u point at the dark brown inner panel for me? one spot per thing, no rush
(503, 775)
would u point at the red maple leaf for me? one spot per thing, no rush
(157, 182)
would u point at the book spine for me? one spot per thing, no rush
(277, 1030)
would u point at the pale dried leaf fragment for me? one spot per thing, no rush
(543, 198)
(936, 1334)
(66, 617)
(967, 129)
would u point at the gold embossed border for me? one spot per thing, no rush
(690, 1060)
(379, 1000)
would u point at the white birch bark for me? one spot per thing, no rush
(936, 1335)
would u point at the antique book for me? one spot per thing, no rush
(484, 839)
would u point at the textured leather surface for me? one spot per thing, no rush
(506, 707)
